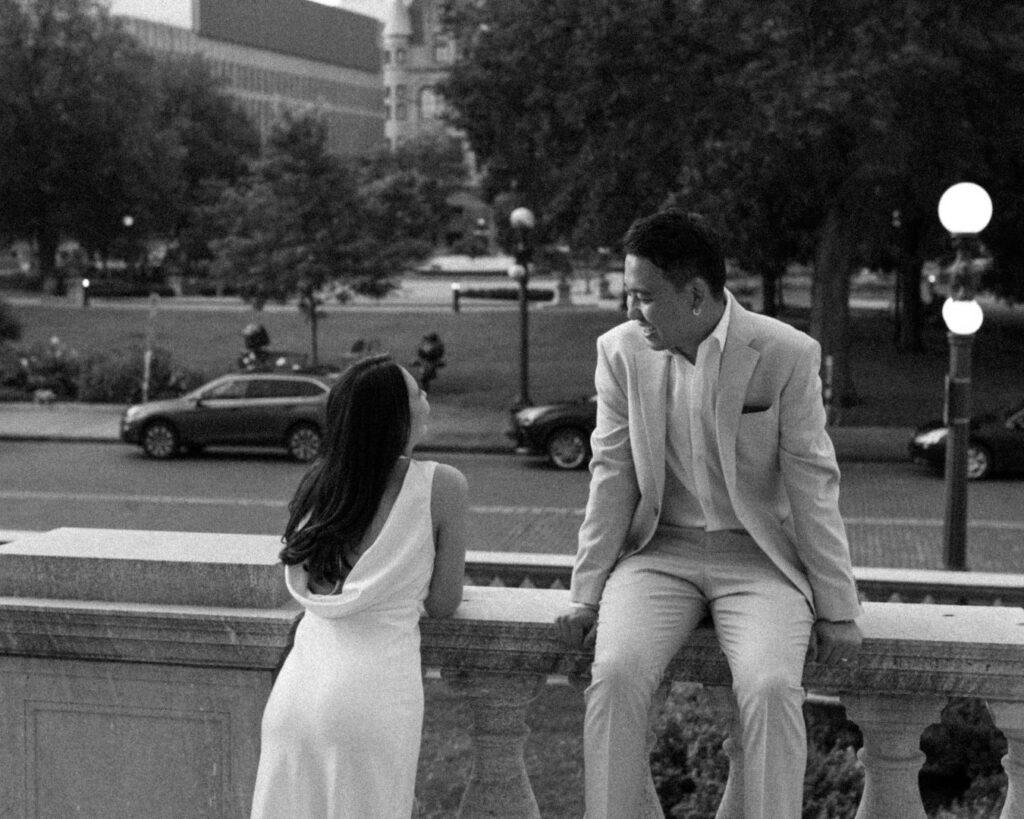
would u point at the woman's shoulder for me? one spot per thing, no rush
(449, 489)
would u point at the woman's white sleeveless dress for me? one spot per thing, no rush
(341, 730)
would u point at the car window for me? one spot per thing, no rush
(232, 388)
(282, 388)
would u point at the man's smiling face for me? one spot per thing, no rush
(664, 313)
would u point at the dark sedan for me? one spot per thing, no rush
(242, 409)
(995, 444)
(561, 431)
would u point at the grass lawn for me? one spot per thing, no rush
(896, 389)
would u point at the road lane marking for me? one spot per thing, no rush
(1008, 525)
(562, 511)
(101, 497)
(526, 510)
(155, 499)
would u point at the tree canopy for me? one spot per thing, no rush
(94, 128)
(80, 142)
(807, 132)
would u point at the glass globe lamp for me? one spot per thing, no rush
(965, 208)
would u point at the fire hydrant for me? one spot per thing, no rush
(429, 359)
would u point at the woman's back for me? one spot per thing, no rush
(342, 726)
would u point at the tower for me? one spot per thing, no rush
(400, 117)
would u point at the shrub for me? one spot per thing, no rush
(961, 779)
(51, 365)
(10, 326)
(116, 377)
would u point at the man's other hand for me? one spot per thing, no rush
(577, 627)
(835, 643)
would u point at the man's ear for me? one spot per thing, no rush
(700, 293)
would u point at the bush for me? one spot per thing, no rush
(116, 377)
(690, 769)
(961, 779)
(10, 326)
(506, 293)
(53, 366)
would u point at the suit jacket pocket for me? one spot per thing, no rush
(754, 408)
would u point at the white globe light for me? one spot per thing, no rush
(522, 218)
(965, 208)
(517, 272)
(963, 318)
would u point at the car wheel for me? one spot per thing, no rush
(303, 442)
(567, 448)
(979, 462)
(160, 440)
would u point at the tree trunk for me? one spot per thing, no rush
(909, 308)
(830, 305)
(769, 282)
(47, 242)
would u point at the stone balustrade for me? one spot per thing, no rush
(879, 585)
(135, 667)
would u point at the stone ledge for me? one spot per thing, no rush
(134, 566)
(908, 648)
(146, 633)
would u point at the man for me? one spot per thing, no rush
(714, 489)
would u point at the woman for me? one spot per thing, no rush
(373, 538)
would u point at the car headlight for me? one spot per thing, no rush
(932, 436)
(527, 416)
(132, 413)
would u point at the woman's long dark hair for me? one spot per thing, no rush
(368, 427)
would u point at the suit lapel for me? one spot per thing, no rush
(652, 387)
(738, 362)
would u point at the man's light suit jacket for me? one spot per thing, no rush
(778, 461)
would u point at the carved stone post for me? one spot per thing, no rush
(498, 785)
(723, 701)
(1009, 718)
(892, 755)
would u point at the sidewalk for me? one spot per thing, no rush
(452, 429)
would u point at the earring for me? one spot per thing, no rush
(696, 311)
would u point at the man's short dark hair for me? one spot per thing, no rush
(680, 244)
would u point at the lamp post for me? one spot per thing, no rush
(964, 210)
(523, 221)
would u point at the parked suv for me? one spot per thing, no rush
(286, 410)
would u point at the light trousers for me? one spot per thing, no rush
(651, 603)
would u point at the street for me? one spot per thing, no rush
(893, 511)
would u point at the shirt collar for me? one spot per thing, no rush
(721, 331)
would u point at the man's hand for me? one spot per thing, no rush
(576, 627)
(835, 643)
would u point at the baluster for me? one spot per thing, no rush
(892, 755)
(1009, 718)
(498, 785)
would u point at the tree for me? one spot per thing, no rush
(575, 106)
(801, 128)
(218, 142)
(79, 142)
(297, 224)
(406, 190)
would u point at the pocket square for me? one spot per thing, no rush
(748, 408)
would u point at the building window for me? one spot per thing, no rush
(400, 57)
(387, 56)
(444, 51)
(401, 111)
(387, 112)
(431, 105)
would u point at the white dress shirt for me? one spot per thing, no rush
(695, 492)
